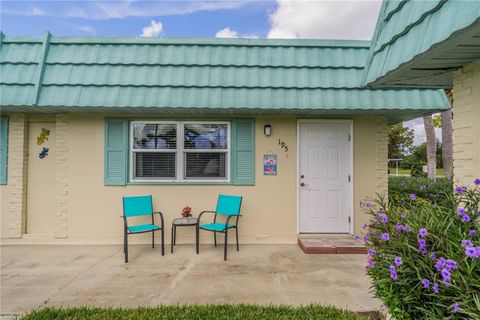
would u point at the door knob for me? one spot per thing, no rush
(302, 184)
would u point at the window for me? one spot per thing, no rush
(180, 151)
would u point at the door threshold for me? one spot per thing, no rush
(325, 235)
(331, 244)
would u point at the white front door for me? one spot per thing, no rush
(324, 177)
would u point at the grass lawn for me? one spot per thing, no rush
(393, 171)
(230, 312)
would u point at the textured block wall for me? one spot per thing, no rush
(381, 141)
(466, 123)
(61, 176)
(17, 176)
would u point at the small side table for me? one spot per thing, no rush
(179, 222)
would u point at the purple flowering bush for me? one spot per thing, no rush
(424, 258)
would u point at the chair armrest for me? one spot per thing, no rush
(161, 217)
(228, 219)
(124, 221)
(201, 214)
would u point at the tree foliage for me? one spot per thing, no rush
(418, 158)
(400, 141)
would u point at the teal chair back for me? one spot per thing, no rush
(228, 205)
(137, 206)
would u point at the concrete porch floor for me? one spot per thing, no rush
(37, 276)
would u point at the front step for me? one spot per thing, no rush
(331, 245)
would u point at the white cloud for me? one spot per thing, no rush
(229, 33)
(419, 129)
(104, 10)
(153, 30)
(324, 19)
(34, 11)
(226, 33)
(88, 29)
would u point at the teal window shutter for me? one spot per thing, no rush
(3, 150)
(116, 151)
(243, 152)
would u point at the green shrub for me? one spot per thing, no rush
(424, 258)
(437, 191)
(210, 312)
(418, 157)
(417, 170)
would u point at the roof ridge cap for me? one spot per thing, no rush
(340, 43)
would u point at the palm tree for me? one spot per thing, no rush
(431, 147)
(447, 140)
(444, 121)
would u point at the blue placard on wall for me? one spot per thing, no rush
(270, 165)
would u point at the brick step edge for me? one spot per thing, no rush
(331, 249)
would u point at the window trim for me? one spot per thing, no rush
(180, 153)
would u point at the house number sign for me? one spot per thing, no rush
(283, 145)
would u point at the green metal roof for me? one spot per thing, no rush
(419, 43)
(198, 76)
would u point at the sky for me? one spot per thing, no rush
(317, 19)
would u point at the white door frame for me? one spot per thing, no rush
(350, 188)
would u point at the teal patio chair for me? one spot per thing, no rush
(136, 207)
(228, 206)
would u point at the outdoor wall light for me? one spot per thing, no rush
(267, 130)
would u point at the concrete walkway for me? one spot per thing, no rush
(37, 276)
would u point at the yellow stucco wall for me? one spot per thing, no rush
(41, 172)
(466, 123)
(88, 211)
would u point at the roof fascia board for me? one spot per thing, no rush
(216, 111)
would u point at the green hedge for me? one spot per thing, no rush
(210, 312)
(436, 191)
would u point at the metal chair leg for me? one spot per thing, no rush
(171, 243)
(236, 233)
(226, 245)
(126, 248)
(215, 237)
(163, 241)
(153, 239)
(197, 242)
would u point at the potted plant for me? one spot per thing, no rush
(186, 214)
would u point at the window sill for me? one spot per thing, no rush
(182, 183)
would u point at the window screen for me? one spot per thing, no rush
(154, 150)
(154, 136)
(201, 154)
(205, 147)
(155, 165)
(205, 165)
